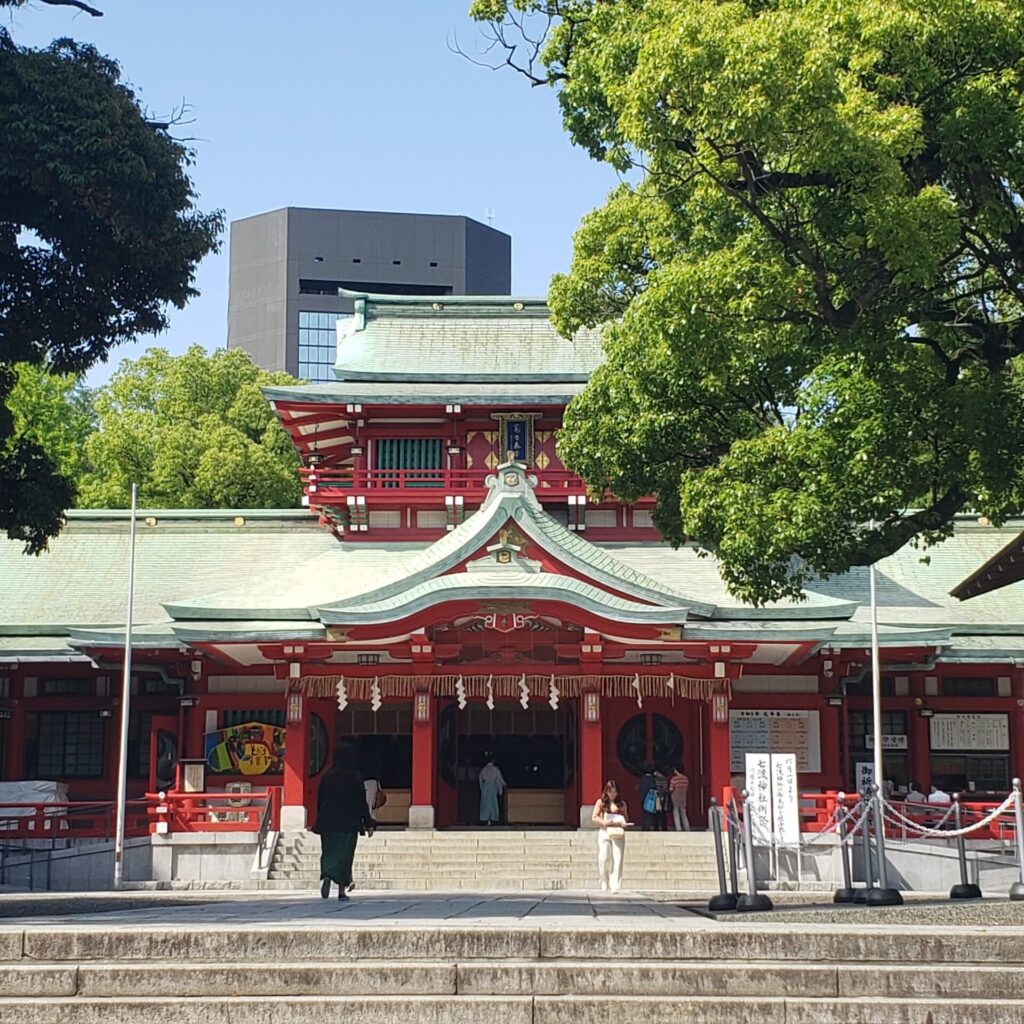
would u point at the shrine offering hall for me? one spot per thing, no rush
(451, 593)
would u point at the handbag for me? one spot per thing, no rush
(615, 832)
(651, 802)
(380, 799)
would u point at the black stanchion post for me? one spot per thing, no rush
(725, 900)
(731, 817)
(751, 899)
(1017, 889)
(964, 890)
(864, 824)
(884, 895)
(847, 894)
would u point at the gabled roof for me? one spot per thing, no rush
(459, 338)
(511, 500)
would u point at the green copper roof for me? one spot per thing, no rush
(465, 338)
(496, 395)
(499, 585)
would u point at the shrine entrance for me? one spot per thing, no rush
(535, 748)
(382, 741)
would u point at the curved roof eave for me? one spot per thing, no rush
(540, 586)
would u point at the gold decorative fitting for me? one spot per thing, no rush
(150, 520)
(239, 520)
(437, 305)
(518, 307)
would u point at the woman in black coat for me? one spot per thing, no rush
(341, 817)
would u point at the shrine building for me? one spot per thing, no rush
(451, 592)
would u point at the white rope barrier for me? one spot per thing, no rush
(938, 833)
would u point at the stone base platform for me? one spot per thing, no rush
(539, 958)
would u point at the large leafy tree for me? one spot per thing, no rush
(811, 281)
(99, 233)
(55, 412)
(193, 431)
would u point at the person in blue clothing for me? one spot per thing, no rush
(492, 785)
(648, 785)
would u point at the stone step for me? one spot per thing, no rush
(572, 1009)
(445, 942)
(509, 978)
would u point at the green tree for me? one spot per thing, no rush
(812, 281)
(55, 412)
(99, 232)
(193, 431)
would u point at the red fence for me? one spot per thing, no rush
(817, 810)
(452, 481)
(93, 820)
(258, 811)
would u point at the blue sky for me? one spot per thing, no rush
(357, 104)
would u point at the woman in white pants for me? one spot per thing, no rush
(610, 815)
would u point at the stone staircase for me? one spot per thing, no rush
(702, 974)
(500, 860)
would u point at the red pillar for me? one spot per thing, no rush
(591, 762)
(424, 760)
(1016, 711)
(719, 756)
(296, 763)
(920, 749)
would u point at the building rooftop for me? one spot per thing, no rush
(470, 338)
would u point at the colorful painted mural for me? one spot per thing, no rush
(252, 748)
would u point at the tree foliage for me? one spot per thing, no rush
(812, 285)
(99, 233)
(193, 431)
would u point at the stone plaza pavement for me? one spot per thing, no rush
(522, 958)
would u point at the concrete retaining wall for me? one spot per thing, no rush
(84, 867)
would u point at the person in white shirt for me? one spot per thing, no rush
(611, 816)
(938, 796)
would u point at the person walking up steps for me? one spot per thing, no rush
(342, 816)
(611, 815)
(678, 787)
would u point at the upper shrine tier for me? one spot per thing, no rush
(431, 394)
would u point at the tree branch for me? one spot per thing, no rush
(77, 4)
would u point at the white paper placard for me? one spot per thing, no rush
(775, 732)
(785, 799)
(759, 797)
(969, 732)
(865, 775)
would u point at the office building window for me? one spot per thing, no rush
(65, 745)
(317, 345)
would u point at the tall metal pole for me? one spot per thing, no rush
(126, 693)
(876, 684)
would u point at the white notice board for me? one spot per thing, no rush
(759, 796)
(785, 799)
(970, 732)
(775, 732)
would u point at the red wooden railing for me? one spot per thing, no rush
(816, 811)
(258, 811)
(71, 820)
(451, 481)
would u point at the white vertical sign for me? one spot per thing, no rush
(759, 797)
(785, 799)
(865, 775)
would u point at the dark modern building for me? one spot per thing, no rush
(287, 267)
